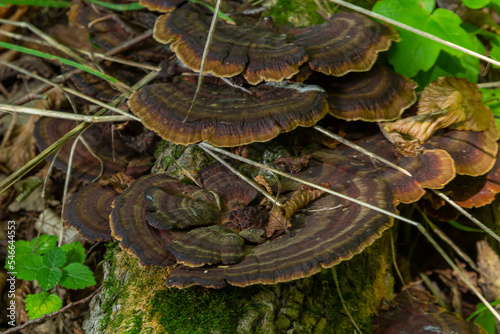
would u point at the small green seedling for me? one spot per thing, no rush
(484, 317)
(50, 266)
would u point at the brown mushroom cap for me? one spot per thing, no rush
(330, 230)
(227, 116)
(163, 6)
(374, 96)
(432, 169)
(98, 137)
(252, 50)
(88, 211)
(345, 43)
(208, 245)
(129, 222)
(474, 153)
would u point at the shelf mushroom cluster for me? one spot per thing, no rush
(216, 231)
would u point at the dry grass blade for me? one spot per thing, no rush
(419, 226)
(62, 115)
(11, 179)
(204, 57)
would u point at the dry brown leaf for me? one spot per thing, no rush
(446, 102)
(489, 262)
(119, 181)
(279, 217)
(21, 148)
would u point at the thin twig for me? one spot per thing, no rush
(419, 226)
(204, 57)
(342, 301)
(360, 149)
(53, 314)
(416, 31)
(63, 115)
(243, 177)
(468, 215)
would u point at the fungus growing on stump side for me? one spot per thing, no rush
(227, 116)
(254, 51)
(329, 231)
(98, 137)
(88, 211)
(347, 42)
(377, 95)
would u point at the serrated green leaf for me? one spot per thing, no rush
(77, 276)
(415, 53)
(54, 258)
(75, 253)
(27, 266)
(48, 277)
(45, 242)
(42, 303)
(22, 247)
(475, 4)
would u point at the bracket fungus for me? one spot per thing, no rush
(347, 42)
(224, 115)
(88, 211)
(162, 6)
(87, 165)
(252, 50)
(432, 169)
(374, 96)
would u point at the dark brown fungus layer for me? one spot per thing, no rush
(474, 153)
(208, 245)
(432, 169)
(346, 42)
(374, 96)
(233, 192)
(88, 211)
(257, 53)
(98, 138)
(129, 223)
(227, 116)
(172, 212)
(330, 230)
(416, 311)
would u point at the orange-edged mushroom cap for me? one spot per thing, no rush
(347, 42)
(88, 211)
(328, 231)
(163, 6)
(431, 169)
(227, 116)
(254, 51)
(114, 154)
(377, 95)
(474, 153)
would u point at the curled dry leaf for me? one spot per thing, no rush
(448, 102)
(280, 216)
